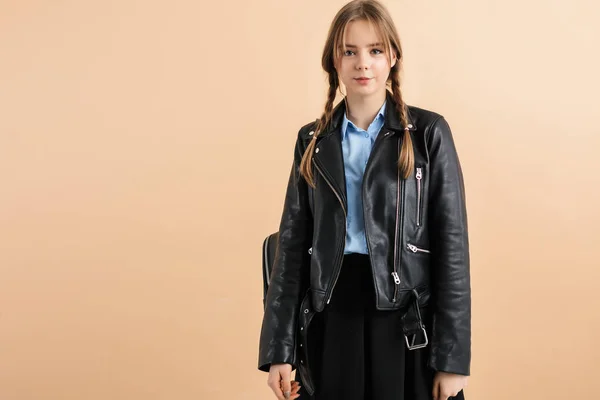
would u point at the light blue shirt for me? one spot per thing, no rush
(356, 146)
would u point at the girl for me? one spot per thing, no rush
(369, 295)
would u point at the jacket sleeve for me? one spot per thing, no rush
(278, 333)
(451, 287)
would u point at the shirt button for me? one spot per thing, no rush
(366, 135)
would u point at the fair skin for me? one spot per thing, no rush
(363, 101)
(364, 56)
(280, 382)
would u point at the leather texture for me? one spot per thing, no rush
(416, 231)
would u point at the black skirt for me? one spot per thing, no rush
(359, 352)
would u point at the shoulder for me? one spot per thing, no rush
(303, 138)
(307, 130)
(431, 124)
(305, 135)
(422, 117)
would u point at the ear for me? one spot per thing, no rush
(393, 61)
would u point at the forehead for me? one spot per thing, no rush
(361, 33)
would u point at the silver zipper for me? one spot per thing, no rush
(336, 273)
(419, 176)
(414, 248)
(395, 275)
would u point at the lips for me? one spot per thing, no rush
(363, 81)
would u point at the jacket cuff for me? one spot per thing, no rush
(273, 356)
(454, 364)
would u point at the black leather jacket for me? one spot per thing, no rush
(416, 232)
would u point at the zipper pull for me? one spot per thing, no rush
(412, 247)
(419, 173)
(396, 278)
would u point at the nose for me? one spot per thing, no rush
(362, 61)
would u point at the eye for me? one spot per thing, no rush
(380, 52)
(348, 51)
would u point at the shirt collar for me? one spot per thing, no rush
(346, 121)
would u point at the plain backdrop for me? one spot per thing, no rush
(144, 151)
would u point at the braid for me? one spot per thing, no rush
(406, 160)
(305, 164)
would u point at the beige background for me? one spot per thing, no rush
(144, 152)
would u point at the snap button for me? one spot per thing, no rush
(410, 125)
(306, 311)
(311, 133)
(317, 150)
(310, 251)
(300, 344)
(301, 328)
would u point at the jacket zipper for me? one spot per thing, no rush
(414, 248)
(419, 176)
(395, 275)
(337, 270)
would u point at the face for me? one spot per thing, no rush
(363, 59)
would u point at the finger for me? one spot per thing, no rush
(275, 385)
(295, 387)
(295, 392)
(278, 392)
(286, 384)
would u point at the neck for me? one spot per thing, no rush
(361, 110)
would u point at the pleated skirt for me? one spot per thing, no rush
(358, 352)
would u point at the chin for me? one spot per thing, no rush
(363, 91)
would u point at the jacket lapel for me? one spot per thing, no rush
(329, 156)
(330, 161)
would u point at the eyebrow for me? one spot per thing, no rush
(369, 45)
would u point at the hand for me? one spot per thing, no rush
(447, 385)
(280, 382)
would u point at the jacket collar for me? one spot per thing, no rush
(346, 122)
(392, 118)
(328, 155)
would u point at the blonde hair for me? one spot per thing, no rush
(375, 13)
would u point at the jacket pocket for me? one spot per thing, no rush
(416, 249)
(419, 179)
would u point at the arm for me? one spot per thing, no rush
(451, 331)
(278, 332)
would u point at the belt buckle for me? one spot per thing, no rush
(412, 345)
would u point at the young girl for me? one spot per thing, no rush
(369, 295)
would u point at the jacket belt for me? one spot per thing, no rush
(413, 325)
